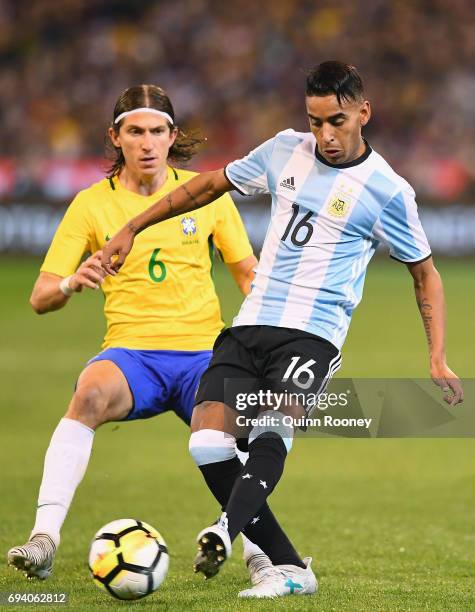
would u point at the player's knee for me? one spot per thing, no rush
(207, 415)
(89, 405)
(211, 446)
(275, 423)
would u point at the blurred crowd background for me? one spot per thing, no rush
(236, 71)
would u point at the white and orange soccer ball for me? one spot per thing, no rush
(128, 558)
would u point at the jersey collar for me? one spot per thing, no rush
(350, 164)
(168, 185)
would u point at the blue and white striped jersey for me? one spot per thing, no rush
(326, 222)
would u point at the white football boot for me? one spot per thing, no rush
(35, 558)
(260, 567)
(257, 562)
(214, 547)
(285, 580)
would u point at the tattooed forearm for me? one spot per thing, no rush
(191, 196)
(169, 200)
(426, 313)
(133, 228)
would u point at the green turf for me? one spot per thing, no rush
(388, 522)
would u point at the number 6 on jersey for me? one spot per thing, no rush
(156, 263)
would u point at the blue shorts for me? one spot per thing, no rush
(159, 380)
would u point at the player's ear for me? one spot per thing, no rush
(173, 135)
(114, 136)
(365, 113)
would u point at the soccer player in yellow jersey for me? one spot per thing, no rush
(162, 311)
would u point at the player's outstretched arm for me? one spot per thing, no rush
(52, 292)
(431, 302)
(243, 273)
(199, 191)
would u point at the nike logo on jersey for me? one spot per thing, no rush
(289, 183)
(247, 476)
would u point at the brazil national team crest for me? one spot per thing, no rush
(188, 226)
(338, 207)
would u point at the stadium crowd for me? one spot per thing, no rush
(236, 71)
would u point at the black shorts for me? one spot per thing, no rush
(252, 358)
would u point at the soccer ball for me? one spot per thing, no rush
(128, 558)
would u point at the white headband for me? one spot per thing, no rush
(145, 110)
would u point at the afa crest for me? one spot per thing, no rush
(338, 207)
(188, 226)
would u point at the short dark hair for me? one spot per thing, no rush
(335, 78)
(149, 96)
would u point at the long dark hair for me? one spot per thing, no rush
(149, 96)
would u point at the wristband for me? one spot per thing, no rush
(65, 288)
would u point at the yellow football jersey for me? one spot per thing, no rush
(163, 297)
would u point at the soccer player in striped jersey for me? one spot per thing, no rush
(162, 313)
(334, 199)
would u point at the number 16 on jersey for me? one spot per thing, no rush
(303, 224)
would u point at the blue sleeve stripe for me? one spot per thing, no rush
(250, 172)
(226, 174)
(398, 230)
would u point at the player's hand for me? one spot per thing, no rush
(449, 382)
(89, 274)
(116, 250)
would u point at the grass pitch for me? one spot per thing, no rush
(389, 523)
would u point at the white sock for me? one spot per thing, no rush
(249, 548)
(65, 465)
(242, 456)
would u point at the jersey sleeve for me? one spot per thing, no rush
(249, 174)
(230, 236)
(400, 228)
(72, 239)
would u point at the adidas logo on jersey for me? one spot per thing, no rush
(289, 183)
